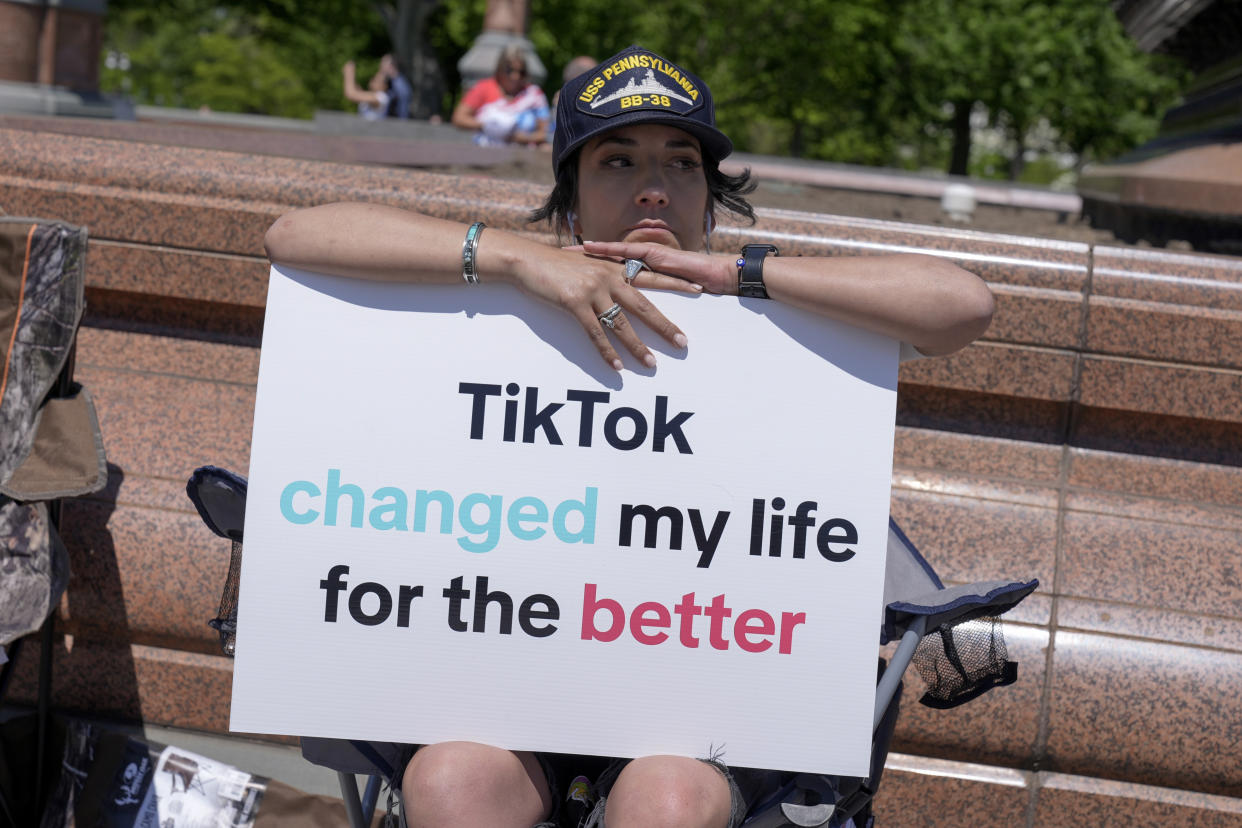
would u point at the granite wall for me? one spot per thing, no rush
(1090, 439)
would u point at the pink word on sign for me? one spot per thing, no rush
(752, 629)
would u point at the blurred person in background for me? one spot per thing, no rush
(505, 108)
(576, 67)
(388, 93)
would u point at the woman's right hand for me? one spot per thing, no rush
(372, 241)
(586, 287)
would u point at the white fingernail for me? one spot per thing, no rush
(616, 363)
(649, 360)
(680, 339)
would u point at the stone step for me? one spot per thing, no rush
(1091, 440)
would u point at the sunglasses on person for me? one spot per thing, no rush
(519, 71)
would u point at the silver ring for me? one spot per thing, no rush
(632, 269)
(609, 317)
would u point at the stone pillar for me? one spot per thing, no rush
(20, 24)
(505, 16)
(52, 42)
(503, 23)
(45, 72)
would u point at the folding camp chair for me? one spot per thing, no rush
(950, 633)
(954, 639)
(50, 445)
(220, 497)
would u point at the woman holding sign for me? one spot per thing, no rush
(636, 155)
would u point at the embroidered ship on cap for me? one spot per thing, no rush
(635, 86)
(649, 86)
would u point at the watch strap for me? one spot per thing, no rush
(750, 270)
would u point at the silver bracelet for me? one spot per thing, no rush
(469, 271)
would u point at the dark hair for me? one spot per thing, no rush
(727, 191)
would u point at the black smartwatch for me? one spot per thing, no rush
(750, 270)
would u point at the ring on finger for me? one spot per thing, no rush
(632, 269)
(609, 317)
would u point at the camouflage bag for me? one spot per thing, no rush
(34, 568)
(50, 445)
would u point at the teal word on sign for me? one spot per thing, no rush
(481, 518)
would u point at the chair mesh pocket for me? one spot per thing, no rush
(225, 621)
(962, 661)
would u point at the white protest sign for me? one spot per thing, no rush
(461, 525)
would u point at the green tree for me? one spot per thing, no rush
(276, 58)
(1065, 61)
(809, 78)
(862, 81)
(232, 71)
(803, 77)
(1112, 96)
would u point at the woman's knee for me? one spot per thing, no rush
(465, 783)
(658, 791)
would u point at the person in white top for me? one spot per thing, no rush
(505, 108)
(372, 101)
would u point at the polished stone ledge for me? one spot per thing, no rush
(177, 248)
(924, 792)
(163, 216)
(1091, 440)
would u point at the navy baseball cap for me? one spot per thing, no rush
(635, 86)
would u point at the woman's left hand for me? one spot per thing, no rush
(716, 274)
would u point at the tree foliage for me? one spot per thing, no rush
(1065, 62)
(281, 57)
(865, 81)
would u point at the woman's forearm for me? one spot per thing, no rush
(360, 96)
(538, 135)
(353, 91)
(369, 241)
(926, 301)
(465, 118)
(934, 305)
